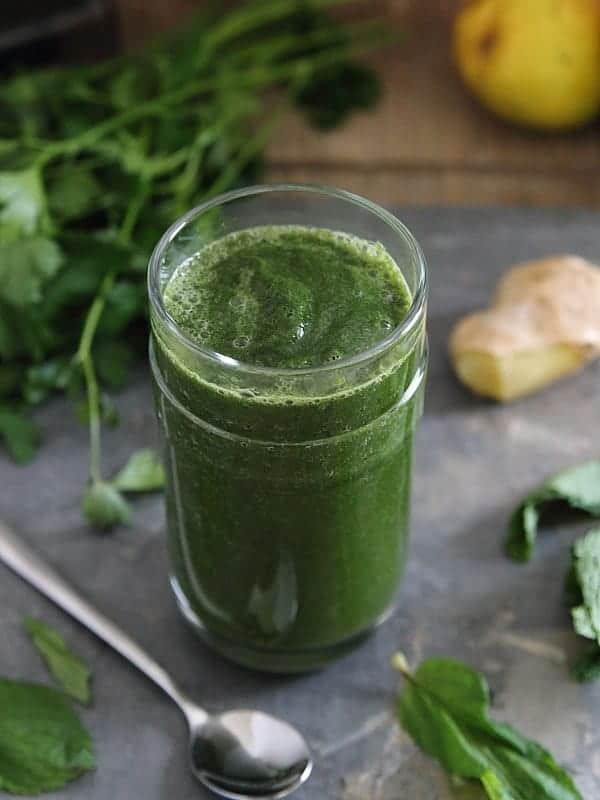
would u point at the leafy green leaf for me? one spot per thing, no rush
(113, 360)
(445, 709)
(26, 265)
(125, 302)
(43, 745)
(24, 334)
(69, 670)
(579, 487)
(143, 473)
(586, 566)
(20, 435)
(73, 194)
(328, 97)
(587, 667)
(585, 586)
(11, 376)
(87, 259)
(22, 204)
(104, 506)
(41, 379)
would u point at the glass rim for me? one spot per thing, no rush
(396, 334)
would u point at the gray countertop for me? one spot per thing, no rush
(461, 596)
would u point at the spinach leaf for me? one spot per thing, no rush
(586, 615)
(579, 487)
(43, 745)
(445, 709)
(69, 670)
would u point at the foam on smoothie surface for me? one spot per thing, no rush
(288, 296)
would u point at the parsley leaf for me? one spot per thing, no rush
(113, 360)
(20, 435)
(579, 487)
(445, 709)
(22, 204)
(43, 745)
(69, 670)
(586, 615)
(73, 194)
(25, 267)
(143, 473)
(124, 302)
(42, 379)
(104, 506)
(331, 95)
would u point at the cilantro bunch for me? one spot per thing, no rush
(97, 161)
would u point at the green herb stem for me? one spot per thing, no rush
(84, 358)
(92, 320)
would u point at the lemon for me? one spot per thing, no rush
(534, 62)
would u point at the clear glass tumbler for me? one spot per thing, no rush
(288, 490)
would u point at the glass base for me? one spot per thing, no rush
(266, 660)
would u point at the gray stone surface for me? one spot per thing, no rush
(461, 596)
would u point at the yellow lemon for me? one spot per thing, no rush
(534, 62)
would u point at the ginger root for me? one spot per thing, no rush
(543, 324)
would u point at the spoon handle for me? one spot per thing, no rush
(19, 557)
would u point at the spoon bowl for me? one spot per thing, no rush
(248, 754)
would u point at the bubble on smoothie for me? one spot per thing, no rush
(304, 295)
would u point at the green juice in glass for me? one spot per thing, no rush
(287, 504)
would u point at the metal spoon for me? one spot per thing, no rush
(239, 754)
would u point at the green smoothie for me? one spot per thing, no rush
(287, 506)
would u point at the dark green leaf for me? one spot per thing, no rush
(104, 506)
(445, 709)
(41, 379)
(113, 360)
(331, 95)
(43, 745)
(87, 259)
(143, 473)
(20, 435)
(132, 85)
(11, 376)
(68, 669)
(124, 303)
(73, 194)
(24, 333)
(26, 265)
(584, 580)
(579, 487)
(587, 667)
